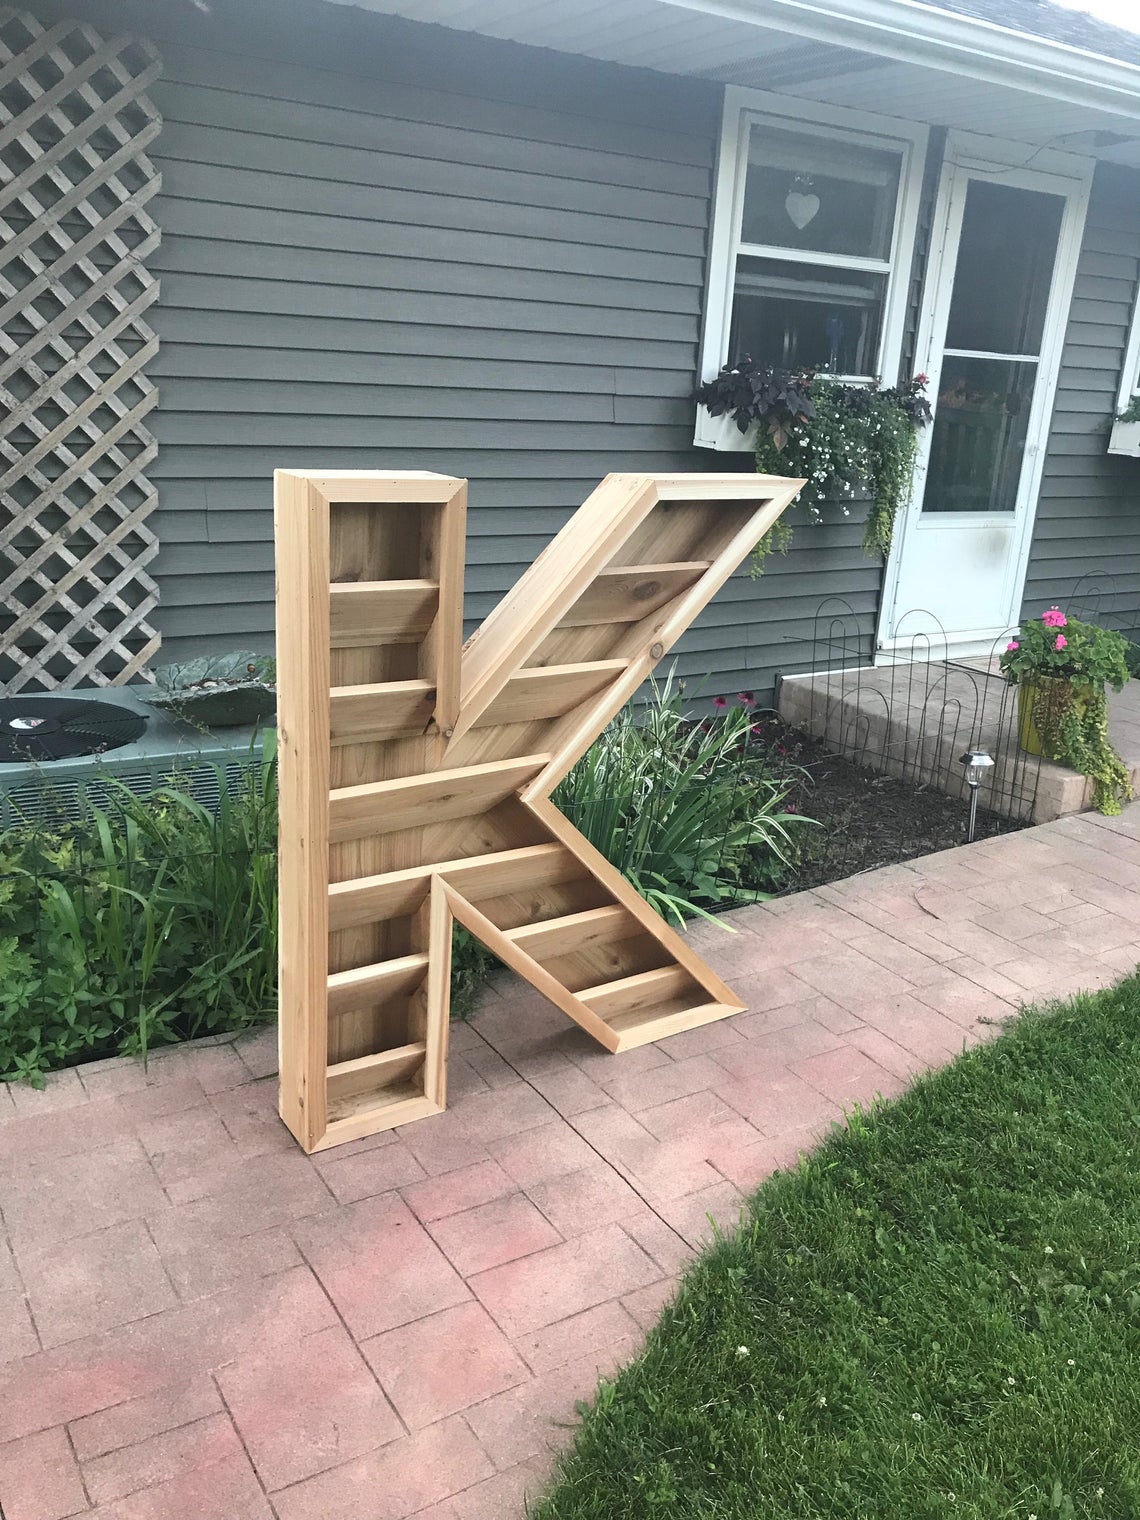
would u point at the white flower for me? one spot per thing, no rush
(780, 1417)
(1011, 1381)
(822, 1402)
(916, 1417)
(1048, 1250)
(741, 1352)
(1072, 1363)
(1100, 1493)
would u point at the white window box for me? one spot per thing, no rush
(1124, 439)
(722, 433)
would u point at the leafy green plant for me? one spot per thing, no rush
(689, 811)
(145, 922)
(1131, 412)
(1066, 665)
(837, 437)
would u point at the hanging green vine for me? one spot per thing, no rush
(838, 437)
(1067, 665)
(1077, 733)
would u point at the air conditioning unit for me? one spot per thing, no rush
(57, 749)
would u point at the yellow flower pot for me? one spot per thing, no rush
(1058, 696)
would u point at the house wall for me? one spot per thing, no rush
(1086, 539)
(389, 245)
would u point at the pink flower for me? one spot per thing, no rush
(746, 698)
(720, 701)
(1062, 642)
(1013, 644)
(1054, 618)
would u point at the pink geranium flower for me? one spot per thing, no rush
(746, 698)
(1062, 642)
(1013, 644)
(720, 701)
(1054, 618)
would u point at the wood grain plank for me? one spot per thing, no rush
(625, 594)
(380, 710)
(364, 985)
(378, 612)
(386, 807)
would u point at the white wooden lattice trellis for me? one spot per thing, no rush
(75, 122)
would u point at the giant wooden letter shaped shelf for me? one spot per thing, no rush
(415, 778)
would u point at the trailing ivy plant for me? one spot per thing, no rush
(837, 437)
(1066, 665)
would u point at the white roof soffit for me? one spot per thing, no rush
(704, 36)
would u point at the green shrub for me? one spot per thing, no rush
(688, 811)
(147, 921)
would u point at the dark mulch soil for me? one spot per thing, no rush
(865, 820)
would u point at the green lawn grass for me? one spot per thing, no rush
(937, 1314)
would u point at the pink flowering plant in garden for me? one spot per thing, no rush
(1066, 665)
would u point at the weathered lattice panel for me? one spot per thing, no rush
(75, 122)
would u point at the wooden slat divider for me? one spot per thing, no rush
(386, 807)
(575, 931)
(381, 612)
(383, 710)
(633, 993)
(642, 1026)
(627, 593)
(365, 985)
(372, 898)
(368, 1074)
(549, 691)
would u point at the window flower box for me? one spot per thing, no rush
(1124, 438)
(723, 434)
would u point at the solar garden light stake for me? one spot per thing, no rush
(976, 762)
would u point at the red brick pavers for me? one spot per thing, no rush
(197, 1321)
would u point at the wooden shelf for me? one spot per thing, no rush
(575, 931)
(365, 985)
(381, 612)
(384, 710)
(550, 691)
(627, 593)
(394, 894)
(640, 1026)
(385, 807)
(377, 1077)
(630, 994)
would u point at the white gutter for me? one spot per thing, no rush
(915, 33)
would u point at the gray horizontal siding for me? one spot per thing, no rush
(388, 245)
(1086, 538)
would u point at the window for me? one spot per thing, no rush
(812, 237)
(1130, 375)
(1124, 437)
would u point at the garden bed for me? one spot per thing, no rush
(865, 819)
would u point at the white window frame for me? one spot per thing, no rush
(1125, 436)
(742, 109)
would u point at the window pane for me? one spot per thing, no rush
(819, 194)
(802, 316)
(978, 443)
(1005, 268)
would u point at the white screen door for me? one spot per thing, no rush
(1000, 284)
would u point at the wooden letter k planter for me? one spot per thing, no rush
(416, 775)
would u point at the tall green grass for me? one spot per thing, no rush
(690, 811)
(145, 922)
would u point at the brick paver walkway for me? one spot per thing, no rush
(199, 1323)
